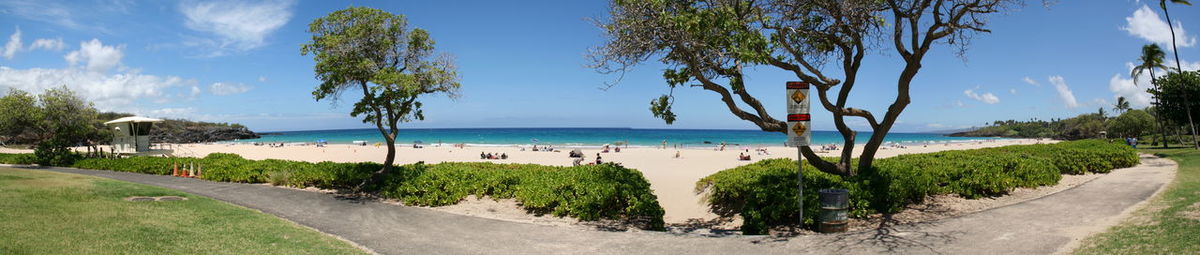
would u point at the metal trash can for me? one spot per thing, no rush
(835, 207)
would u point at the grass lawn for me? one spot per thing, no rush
(1170, 224)
(55, 213)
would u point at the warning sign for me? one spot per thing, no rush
(799, 130)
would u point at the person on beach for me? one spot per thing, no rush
(482, 155)
(676, 154)
(598, 161)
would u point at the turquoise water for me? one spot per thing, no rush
(589, 136)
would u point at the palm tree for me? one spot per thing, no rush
(1152, 58)
(1179, 67)
(1121, 106)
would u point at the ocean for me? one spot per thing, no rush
(589, 137)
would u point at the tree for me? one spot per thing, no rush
(1178, 66)
(66, 120)
(373, 52)
(1132, 123)
(1173, 90)
(1152, 58)
(19, 113)
(709, 44)
(1121, 106)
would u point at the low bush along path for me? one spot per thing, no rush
(1049, 224)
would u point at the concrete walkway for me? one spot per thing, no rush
(1041, 226)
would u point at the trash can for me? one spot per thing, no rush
(834, 210)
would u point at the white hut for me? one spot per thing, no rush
(131, 135)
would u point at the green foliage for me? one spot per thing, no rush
(58, 117)
(373, 51)
(661, 108)
(18, 159)
(1132, 123)
(1151, 58)
(54, 153)
(1176, 93)
(585, 192)
(19, 114)
(1084, 126)
(764, 193)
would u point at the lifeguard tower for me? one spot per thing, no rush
(131, 136)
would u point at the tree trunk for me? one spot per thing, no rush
(390, 140)
(391, 155)
(1179, 67)
(1158, 112)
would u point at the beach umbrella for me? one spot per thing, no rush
(321, 141)
(577, 151)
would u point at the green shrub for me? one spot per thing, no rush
(585, 192)
(764, 193)
(54, 153)
(19, 159)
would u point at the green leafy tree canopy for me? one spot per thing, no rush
(374, 52)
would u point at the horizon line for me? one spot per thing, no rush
(631, 128)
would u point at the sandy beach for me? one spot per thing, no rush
(673, 179)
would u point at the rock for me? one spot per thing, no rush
(201, 134)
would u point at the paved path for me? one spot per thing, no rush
(1039, 226)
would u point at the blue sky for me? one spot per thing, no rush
(523, 64)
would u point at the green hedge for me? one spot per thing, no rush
(23, 159)
(764, 193)
(588, 193)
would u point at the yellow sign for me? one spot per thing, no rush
(798, 96)
(799, 128)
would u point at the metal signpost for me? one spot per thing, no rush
(798, 130)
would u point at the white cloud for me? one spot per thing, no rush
(13, 45)
(1064, 92)
(224, 88)
(195, 91)
(1012, 91)
(107, 91)
(1134, 92)
(48, 44)
(45, 11)
(183, 112)
(262, 79)
(99, 58)
(1187, 66)
(987, 98)
(1146, 24)
(1031, 81)
(935, 125)
(237, 25)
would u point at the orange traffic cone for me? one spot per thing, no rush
(176, 171)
